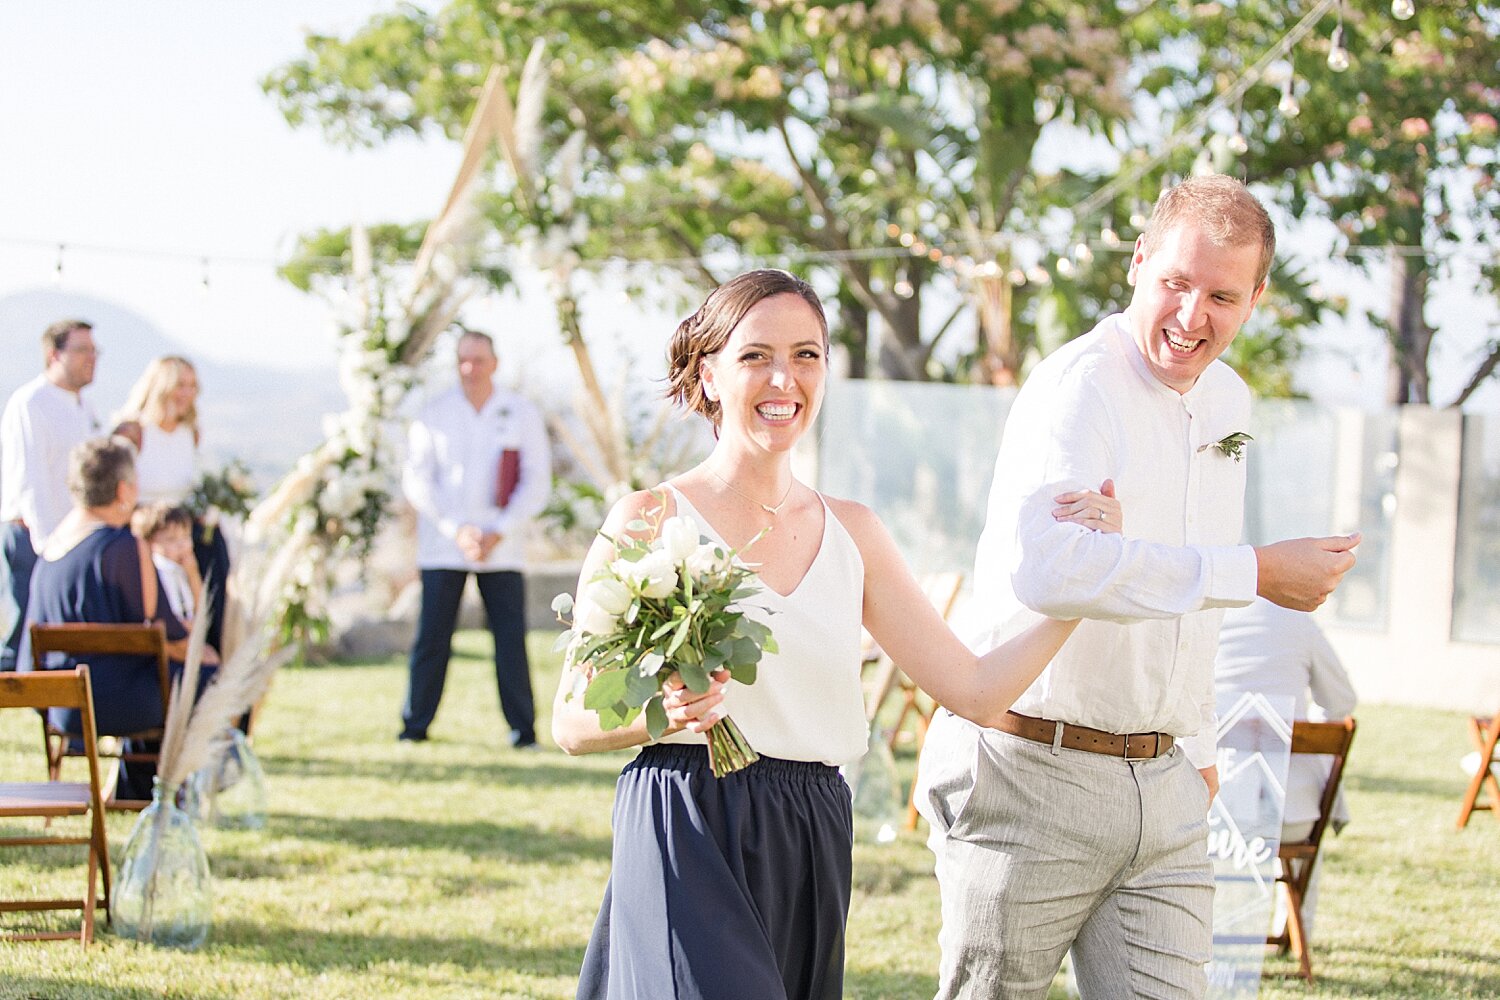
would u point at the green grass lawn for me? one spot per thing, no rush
(462, 868)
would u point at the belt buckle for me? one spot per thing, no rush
(1150, 756)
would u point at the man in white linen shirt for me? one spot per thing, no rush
(1281, 653)
(456, 453)
(42, 422)
(1081, 822)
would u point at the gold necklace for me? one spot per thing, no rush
(773, 511)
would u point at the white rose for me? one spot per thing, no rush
(652, 577)
(611, 595)
(708, 562)
(679, 538)
(663, 576)
(591, 618)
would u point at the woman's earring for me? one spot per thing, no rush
(711, 393)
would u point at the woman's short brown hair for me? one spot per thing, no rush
(97, 467)
(705, 332)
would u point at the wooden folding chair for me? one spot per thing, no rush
(1330, 739)
(81, 641)
(49, 800)
(1485, 733)
(942, 590)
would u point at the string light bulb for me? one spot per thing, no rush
(1403, 10)
(1338, 56)
(203, 282)
(57, 271)
(1288, 104)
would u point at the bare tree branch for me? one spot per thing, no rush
(1484, 371)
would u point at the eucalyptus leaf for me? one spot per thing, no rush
(607, 688)
(640, 687)
(694, 676)
(656, 718)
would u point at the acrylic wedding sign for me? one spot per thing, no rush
(1244, 834)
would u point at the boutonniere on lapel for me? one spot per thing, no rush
(1230, 445)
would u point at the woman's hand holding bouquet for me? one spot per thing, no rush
(665, 611)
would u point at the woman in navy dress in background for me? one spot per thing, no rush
(94, 570)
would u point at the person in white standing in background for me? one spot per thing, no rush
(1078, 822)
(42, 422)
(456, 451)
(164, 404)
(1281, 653)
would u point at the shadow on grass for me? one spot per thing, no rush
(512, 842)
(525, 772)
(1417, 787)
(25, 987)
(879, 984)
(1361, 972)
(316, 951)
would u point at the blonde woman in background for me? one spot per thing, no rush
(164, 403)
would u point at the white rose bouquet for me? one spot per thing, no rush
(663, 605)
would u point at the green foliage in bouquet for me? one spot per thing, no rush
(670, 601)
(228, 491)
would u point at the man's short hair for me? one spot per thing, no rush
(1223, 209)
(464, 333)
(55, 337)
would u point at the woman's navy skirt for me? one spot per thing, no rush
(723, 888)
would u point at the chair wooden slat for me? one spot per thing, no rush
(49, 799)
(1330, 739)
(84, 639)
(1485, 732)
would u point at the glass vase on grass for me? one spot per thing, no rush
(230, 792)
(162, 892)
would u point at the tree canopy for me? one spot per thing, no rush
(891, 148)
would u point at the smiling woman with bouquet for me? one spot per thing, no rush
(738, 886)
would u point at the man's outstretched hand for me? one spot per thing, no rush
(1300, 573)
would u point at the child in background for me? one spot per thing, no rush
(168, 529)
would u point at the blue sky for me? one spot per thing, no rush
(143, 127)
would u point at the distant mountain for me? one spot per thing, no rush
(263, 416)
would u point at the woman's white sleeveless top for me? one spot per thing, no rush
(807, 702)
(167, 464)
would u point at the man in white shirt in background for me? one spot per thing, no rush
(42, 422)
(1081, 823)
(1281, 653)
(456, 472)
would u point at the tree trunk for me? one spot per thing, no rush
(1411, 337)
(854, 332)
(901, 341)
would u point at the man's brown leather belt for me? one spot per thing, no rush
(1135, 746)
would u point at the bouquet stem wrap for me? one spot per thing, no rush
(728, 750)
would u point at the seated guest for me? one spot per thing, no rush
(92, 569)
(168, 530)
(1278, 652)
